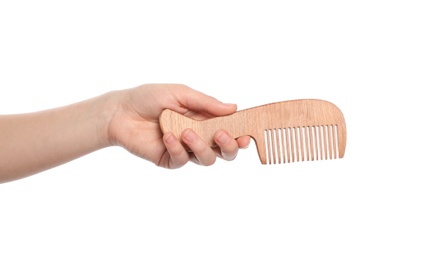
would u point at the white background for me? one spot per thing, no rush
(370, 58)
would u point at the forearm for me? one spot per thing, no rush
(33, 142)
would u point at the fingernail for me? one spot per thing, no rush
(169, 138)
(189, 135)
(222, 137)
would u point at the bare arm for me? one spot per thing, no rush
(33, 142)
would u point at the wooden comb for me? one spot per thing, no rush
(284, 132)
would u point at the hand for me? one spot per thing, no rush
(135, 126)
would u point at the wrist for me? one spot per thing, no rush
(109, 105)
(112, 112)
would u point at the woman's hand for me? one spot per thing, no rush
(135, 126)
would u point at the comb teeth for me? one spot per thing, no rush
(302, 143)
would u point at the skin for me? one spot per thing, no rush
(33, 142)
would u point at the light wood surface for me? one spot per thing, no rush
(284, 132)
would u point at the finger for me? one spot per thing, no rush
(243, 141)
(227, 145)
(178, 155)
(198, 101)
(203, 153)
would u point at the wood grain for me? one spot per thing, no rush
(287, 131)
